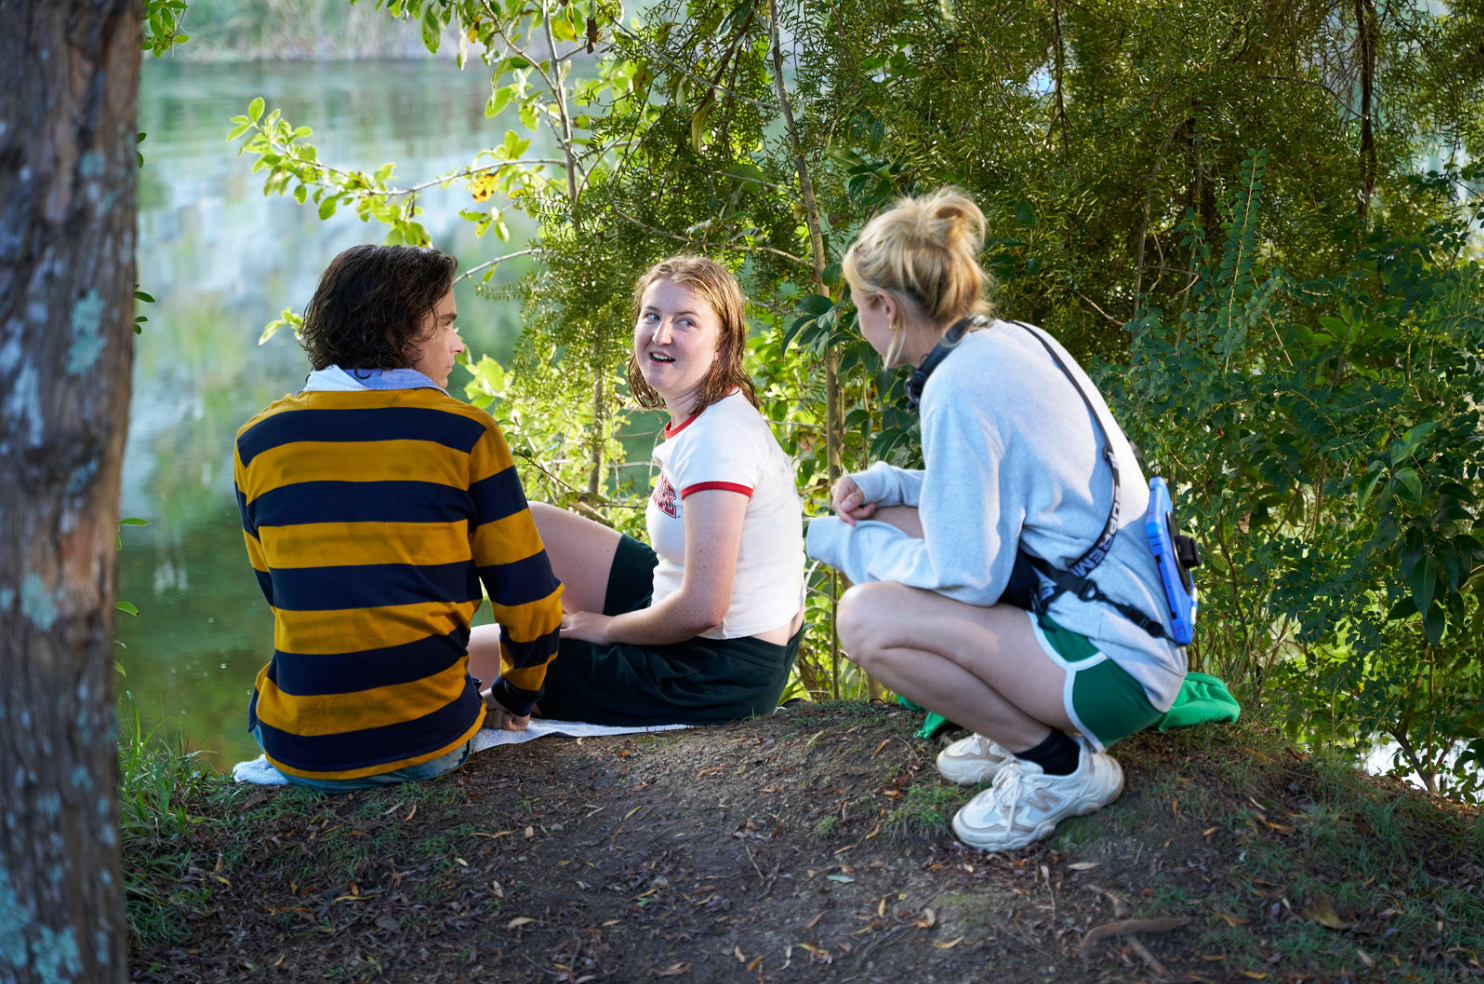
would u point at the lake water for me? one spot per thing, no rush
(222, 260)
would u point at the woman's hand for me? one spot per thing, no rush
(499, 718)
(849, 502)
(587, 627)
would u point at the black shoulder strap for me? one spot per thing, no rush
(1095, 554)
(1076, 579)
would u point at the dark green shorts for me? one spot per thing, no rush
(1102, 698)
(699, 681)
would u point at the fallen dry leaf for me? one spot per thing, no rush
(1128, 927)
(813, 922)
(884, 743)
(948, 945)
(674, 970)
(518, 922)
(1083, 865)
(1231, 920)
(928, 921)
(1322, 911)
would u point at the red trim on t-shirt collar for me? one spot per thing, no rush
(671, 429)
(716, 486)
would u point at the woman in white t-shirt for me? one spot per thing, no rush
(704, 626)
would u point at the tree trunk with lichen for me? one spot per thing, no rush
(69, 77)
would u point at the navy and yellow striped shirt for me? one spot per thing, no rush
(371, 517)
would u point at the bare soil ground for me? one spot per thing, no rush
(808, 846)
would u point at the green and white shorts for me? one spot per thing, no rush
(1103, 700)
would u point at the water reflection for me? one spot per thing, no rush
(222, 260)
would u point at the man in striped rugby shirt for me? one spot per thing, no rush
(373, 506)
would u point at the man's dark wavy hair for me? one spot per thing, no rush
(370, 306)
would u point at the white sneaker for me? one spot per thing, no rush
(972, 760)
(1025, 804)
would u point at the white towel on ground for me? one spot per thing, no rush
(260, 772)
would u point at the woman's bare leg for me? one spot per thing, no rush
(904, 518)
(581, 553)
(981, 667)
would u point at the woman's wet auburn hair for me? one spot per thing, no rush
(714, 284)
(925, 250)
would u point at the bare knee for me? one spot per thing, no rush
(866, 619)
(545, 516)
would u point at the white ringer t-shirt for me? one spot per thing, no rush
(728, 446)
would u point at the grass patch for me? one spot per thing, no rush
(1322, 863)
(158, 781)
(924, 811)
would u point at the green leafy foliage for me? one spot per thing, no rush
(163, 21)
(1324, 438)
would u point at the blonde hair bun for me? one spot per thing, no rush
(926, 250)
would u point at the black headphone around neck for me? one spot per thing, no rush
(949, 342)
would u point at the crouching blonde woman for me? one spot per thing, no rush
(1021, 474)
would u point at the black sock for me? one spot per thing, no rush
(1057, 755)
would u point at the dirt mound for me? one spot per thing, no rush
(808, 846)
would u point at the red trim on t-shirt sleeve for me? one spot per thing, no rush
(715, 486)
(671, 429)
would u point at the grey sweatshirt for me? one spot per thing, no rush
(1012, 457)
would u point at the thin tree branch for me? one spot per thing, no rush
(1309, 82)
(619, 29)
(497, 261)
(560, 94)
(469, 173)
(629, 145)
(703, 242)
(369, 192)
(552, 86)
(1096, 308)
